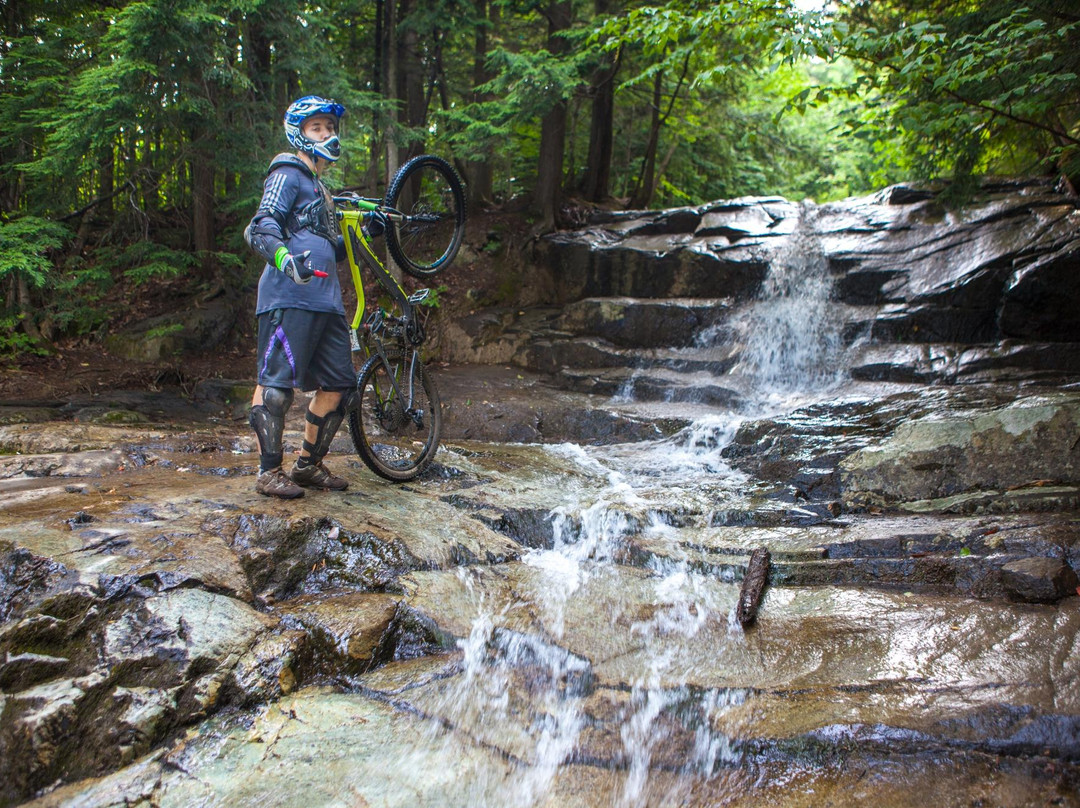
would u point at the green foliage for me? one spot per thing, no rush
(14, 341)
(982, 88)
(24, 246)
(74, 301)
(145, 260)
(146, 125)
(525, 88)
(165, 330)
(434, 298)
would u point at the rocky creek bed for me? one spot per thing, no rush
(550, 624)
(883, 394)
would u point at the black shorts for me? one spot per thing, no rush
(305, 349)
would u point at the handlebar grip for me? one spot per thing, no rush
(361, 202)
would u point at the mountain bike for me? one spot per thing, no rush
(397, 418)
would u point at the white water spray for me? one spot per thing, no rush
(793, 330)
(792, 345)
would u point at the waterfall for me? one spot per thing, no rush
(793, 330)
(657, 494)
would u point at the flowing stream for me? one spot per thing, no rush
(553, 625)
(793, 353)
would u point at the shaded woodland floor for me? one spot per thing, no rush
(488, 271)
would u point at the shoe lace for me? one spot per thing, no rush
(277, 475)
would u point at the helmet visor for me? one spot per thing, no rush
(329, 149)
(322, 132)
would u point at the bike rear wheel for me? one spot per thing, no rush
(429, 192)
(395, 440)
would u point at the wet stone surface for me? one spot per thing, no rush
(538, 625)
(882, 395)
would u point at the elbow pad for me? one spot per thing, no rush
(264, 237)
(339, 249)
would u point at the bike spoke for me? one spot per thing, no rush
(395, 440)
(429, 193)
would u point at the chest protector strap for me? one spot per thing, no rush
(316, 216)
(286, 159)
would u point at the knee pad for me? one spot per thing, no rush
(277, 400)
(327, 426)
(268, 421)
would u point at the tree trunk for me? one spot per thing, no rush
(202, 201)
(28, 309)
(377, 66)
(257, 52)
(107, 172)
(390, 73)
(411, 77)
(659, 173)
(478, 171)
(549, 177)
(12, 15)
(596, 184)
(548, 193)
(146, 180)
(643, 188)
(646, 184)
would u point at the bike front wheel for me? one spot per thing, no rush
(396, 422)
(429, 192)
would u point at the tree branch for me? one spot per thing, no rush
(1016, 118)
(675, 92)
(98, 200)
(881, 63)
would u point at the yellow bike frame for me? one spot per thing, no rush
(358, 250)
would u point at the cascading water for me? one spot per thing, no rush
(792, 331)
(591, 590)
(658, 498)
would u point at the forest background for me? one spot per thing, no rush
(135, 135)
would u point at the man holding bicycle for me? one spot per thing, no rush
(303, 336)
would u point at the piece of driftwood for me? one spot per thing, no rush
(753, 587)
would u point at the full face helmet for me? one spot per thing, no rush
(303, 108)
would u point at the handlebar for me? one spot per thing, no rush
(357, 201)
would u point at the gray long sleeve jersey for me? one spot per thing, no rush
(288, 190)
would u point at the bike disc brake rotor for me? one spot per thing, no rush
(395, 429)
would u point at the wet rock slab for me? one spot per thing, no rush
(523, 624)
(1031, 439)
(139, 602)
(934, 693)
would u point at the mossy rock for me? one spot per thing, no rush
(226, 391)
(26, 415)
(120, 417)
(195, 329)
(109, 415)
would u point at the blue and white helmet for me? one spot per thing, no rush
(303, 108)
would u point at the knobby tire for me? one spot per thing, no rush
(388, 441)
(428, 189)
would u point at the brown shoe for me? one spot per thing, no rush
(317, 476)
(276, 483)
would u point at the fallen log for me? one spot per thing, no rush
(753, 587)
